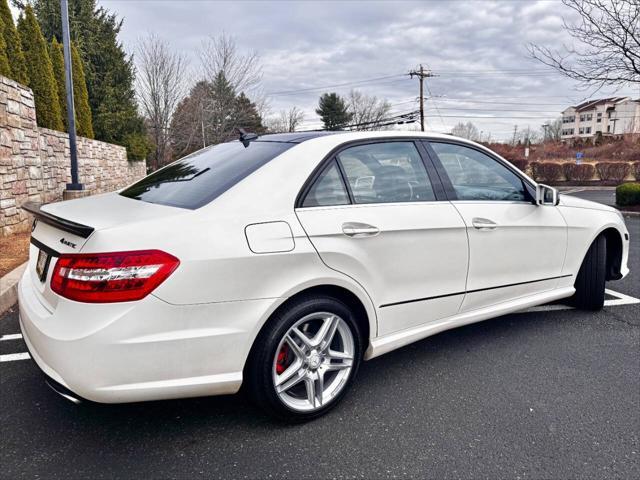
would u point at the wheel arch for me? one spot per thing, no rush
(614, 252)
(362, 307)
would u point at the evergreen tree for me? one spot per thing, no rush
(220, 110)
(13, 45)
(333, 111)
(247, 115)
(40, 72)
(188, 132)
(108, 70)
(84, 126)
(211, 114)
(84, 122)
(5, 69)
(57, 62)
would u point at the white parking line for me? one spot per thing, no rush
(621, 299)
(12, 336)
(12, 357)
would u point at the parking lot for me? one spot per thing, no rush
(548, 393)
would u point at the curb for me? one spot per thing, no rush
(9, 287)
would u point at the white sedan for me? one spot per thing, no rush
(281, 262)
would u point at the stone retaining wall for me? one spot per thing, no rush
(35, 162)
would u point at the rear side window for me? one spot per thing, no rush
(386, 172)
(327, 190)
(197, 179)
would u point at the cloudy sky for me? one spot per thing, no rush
(477, 49)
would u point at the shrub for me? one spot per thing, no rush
(546, 171)
(614, 171)
(628, 194)
(578, 173)
(520, 164)
(636, 170)
(138, 147)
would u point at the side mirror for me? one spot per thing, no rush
(546, 195)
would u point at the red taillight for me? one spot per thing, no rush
(111, 277)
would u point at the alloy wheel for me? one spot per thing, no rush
(313, 361)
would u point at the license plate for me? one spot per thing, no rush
(42, 264)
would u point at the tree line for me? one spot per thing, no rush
(225, 94)
(26, 57)
(103, 74)
(148, 105)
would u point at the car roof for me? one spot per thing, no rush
(294, 137)
(343, 136)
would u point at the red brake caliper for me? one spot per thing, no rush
(282, 360)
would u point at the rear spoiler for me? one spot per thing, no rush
(67, 225)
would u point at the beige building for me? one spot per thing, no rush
(609, 116)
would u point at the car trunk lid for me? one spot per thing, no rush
(65, 227)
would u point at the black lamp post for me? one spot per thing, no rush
(68, 80)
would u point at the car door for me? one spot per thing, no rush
(372, 214)
(516, 248)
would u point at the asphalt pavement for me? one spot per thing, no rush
(545, 394)
(604, 195)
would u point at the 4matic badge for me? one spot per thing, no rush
(67, 243)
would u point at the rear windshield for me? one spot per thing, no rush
(197, 179)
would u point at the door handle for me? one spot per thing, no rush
(483, 224)
(357, 229)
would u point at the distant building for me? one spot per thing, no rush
(610, 116)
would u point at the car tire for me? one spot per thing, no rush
(266, 365)
(590, 282)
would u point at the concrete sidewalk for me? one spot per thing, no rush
(9, 287)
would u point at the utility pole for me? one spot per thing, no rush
(75, 186)
(613, 120)
(421, 74)
(545, 128)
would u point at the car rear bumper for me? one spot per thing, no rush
(138, 351)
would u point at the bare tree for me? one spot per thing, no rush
(286, 121)
(218, 104)
(160, 74)
(608, 37)
(220, 54)
(466, 130)
(368, 111)
(553, 130)
(527, 136)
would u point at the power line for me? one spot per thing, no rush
(436, 105)
(407, 117)
(449, 99)
(500, 110)
(345, 84)
(486, 117)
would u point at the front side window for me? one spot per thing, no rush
(197, 179)
(386, 173)
(476, 176)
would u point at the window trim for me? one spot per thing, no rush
(432, 175)
(446, 181)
